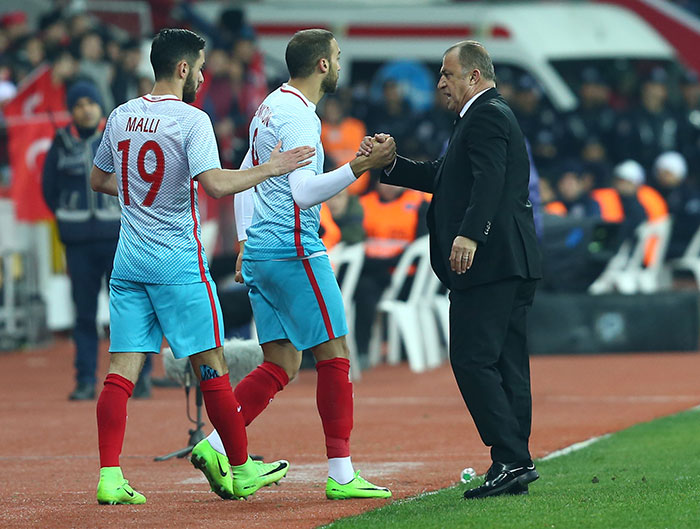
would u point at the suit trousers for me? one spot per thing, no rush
(490, 361)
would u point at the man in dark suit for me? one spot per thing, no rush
(484, 249)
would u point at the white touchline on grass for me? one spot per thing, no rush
(574, 447)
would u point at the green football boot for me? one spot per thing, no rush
(359, 487)
(253, 475)
(215, 468)
(113, 489)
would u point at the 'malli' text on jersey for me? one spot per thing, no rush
(142, 124)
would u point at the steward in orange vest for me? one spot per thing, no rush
(391, 223)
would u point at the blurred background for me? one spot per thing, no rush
(606, 92)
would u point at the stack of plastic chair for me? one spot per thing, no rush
(410, 322)
(347, 261)
(626, 271)
(690, 260)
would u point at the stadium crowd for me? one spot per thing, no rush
(635, 133)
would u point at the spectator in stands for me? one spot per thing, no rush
(88, 225)
(125, 85)
(15, 25)
(341, 134)
(93, 66)
(539, 123)
(682, 197)
(54, 31)
(574, 187)
(629, 201)
(432, 130)
(505, 81)
(593, 118)
(689, 121)
(253, 89)
(393, 218)
(649, 128)
(219, 100)
(392, 114)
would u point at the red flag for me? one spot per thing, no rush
(29, 141)
(37, 94)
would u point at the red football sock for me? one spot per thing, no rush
(225, 415)
(111, 418)
(257, 390)
(334, 401)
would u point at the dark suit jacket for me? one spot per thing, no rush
(480, 191)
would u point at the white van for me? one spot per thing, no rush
(545, 39)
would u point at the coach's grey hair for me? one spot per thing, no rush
(472, 55)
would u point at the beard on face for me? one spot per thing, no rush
(189, 91)
(330, 83)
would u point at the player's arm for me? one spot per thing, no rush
(243, 208)
(221, 182)
(102, 177)
(103, 182)
(310, 189)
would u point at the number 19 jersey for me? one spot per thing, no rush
(157, 145)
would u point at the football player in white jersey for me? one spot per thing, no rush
(295, 297)
(161, 149)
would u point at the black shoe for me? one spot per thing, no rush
(505, 478)
(165, 382)
(518, 490)
(83, 391)
(142, 388)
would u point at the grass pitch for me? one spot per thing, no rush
(645, 477)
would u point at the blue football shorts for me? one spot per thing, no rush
(140, 314)
(297, 300)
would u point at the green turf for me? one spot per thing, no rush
(645, 477)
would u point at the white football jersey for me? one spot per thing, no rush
(157, 145)
(279, 228)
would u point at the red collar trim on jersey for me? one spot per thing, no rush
(160, 98)
(293, 92)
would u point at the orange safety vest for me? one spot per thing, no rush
(390, 226)
(651, 200)
(556, 208)
(341, 142)
(610, 204)
(331, 232)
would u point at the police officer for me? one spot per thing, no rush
(88, 225)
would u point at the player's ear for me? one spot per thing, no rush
(323, 65)
(182, 69)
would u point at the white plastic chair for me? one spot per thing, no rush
(690, 260)
(349, 258)
(626, 272)
(410, 322)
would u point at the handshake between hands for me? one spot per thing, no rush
(377, 151)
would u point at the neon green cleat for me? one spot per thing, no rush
(215, 468)
(253, 475)
(113, 489)
(359, 487)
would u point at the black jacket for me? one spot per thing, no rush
(480, 191)
(82, 214)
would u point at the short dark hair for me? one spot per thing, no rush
(305, 49)
(472, 54)
(170, 47)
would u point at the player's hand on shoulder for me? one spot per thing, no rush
(283, 162)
